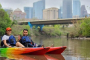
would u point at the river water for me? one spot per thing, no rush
(76, 50)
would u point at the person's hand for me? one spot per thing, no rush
(19, 37)
(52, 45)
(9, 46)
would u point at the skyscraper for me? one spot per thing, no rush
(67, 8)
(38, 8)
(76, 7)
(83, 11)
(60, 12)
(29, 12)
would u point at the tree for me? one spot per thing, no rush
(85, 26)
(0, 6)
(4, 21)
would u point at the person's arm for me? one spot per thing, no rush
(19, 37)
(4, 41)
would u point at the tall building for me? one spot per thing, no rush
(67, 8)
(83, 11)
(60, 13)
(38, 8)
(18, 14)
(29, 12)
(76, 7)
(50, 13)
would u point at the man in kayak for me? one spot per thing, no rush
(9, 40)
(26, 40)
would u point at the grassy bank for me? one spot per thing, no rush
(17, 29)
(47, 31)
(52, 31)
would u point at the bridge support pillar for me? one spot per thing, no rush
(31, 26)
(41, 27)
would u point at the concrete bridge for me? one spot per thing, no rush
(41, 23)
(54, 21)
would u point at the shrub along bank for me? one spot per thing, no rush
(47, 31)
(80, 29)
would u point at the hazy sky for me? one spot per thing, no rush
(29, 3)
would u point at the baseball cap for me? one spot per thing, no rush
(8, 28)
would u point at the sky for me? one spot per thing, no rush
(14, 4)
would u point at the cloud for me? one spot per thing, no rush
(29, 3)
(17, 3)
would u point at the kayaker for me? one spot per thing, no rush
(6, 42)
(26, 40)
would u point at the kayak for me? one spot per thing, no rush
(36, 51)
(30, 51)
(33, 51)
(56, 50)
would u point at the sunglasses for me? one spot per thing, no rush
(9, 30)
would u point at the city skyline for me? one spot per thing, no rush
(29, 3)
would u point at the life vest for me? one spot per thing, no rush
(12, 40)
(25, 39)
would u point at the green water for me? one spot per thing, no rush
(76, 49)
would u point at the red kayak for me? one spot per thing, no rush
(56, 50)
(35, 51)
(29, 51)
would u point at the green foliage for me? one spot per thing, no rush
(36, 32)
(85, 26)
(4, 21)
(52, 31)
(15, 22)
(0, 6)
(81, 28)
(18, 29)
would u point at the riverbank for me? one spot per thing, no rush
(81, 38)
(47, 31)
(80, 28)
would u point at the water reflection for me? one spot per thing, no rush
(32, 57)
(55, 57)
